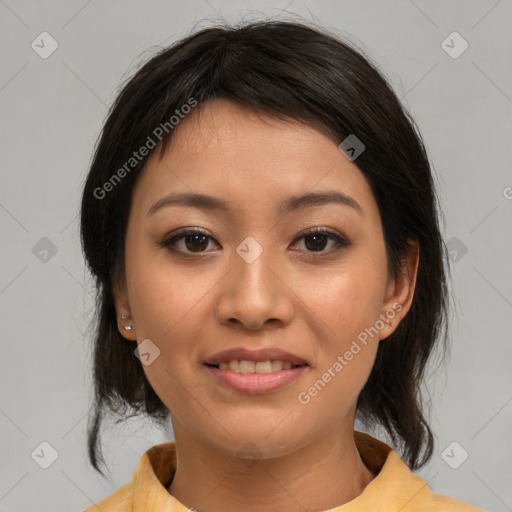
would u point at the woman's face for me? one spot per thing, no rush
(253, 280)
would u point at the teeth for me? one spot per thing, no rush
(245, 366)
(263, 367)
(234, 366)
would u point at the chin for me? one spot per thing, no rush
(258, 444)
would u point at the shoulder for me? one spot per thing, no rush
(397, 485)
(440, 502)
(119, 501)
(147, 485)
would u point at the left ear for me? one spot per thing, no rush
(400, 290)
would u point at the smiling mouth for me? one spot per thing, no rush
(260, 367)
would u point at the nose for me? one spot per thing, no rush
(255, 293)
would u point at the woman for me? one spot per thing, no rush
(262, 223)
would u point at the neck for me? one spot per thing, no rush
(323, 474)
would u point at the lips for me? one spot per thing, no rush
(265, 354)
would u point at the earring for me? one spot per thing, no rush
(387, 321)
(126, 327)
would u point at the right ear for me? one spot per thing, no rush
(125, 322)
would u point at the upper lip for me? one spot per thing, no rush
(263, 354)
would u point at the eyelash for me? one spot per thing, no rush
(170, 241)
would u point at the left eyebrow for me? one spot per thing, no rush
(290, 204)
(310, 199)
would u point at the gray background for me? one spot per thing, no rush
(52, 111)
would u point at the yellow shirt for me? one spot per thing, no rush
(394, 488)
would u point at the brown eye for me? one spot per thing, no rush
(317, 239)
(317, 242)
(189, 241)
(196, 242)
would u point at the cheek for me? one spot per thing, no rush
(162, 297)
(348, 302)
(347, 298)
(165, 306)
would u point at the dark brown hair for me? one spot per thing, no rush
(296, 72)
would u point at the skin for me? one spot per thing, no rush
(310, 303)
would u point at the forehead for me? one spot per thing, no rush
(247, 158)
(227, 131)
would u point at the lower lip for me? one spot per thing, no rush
(256, 383)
